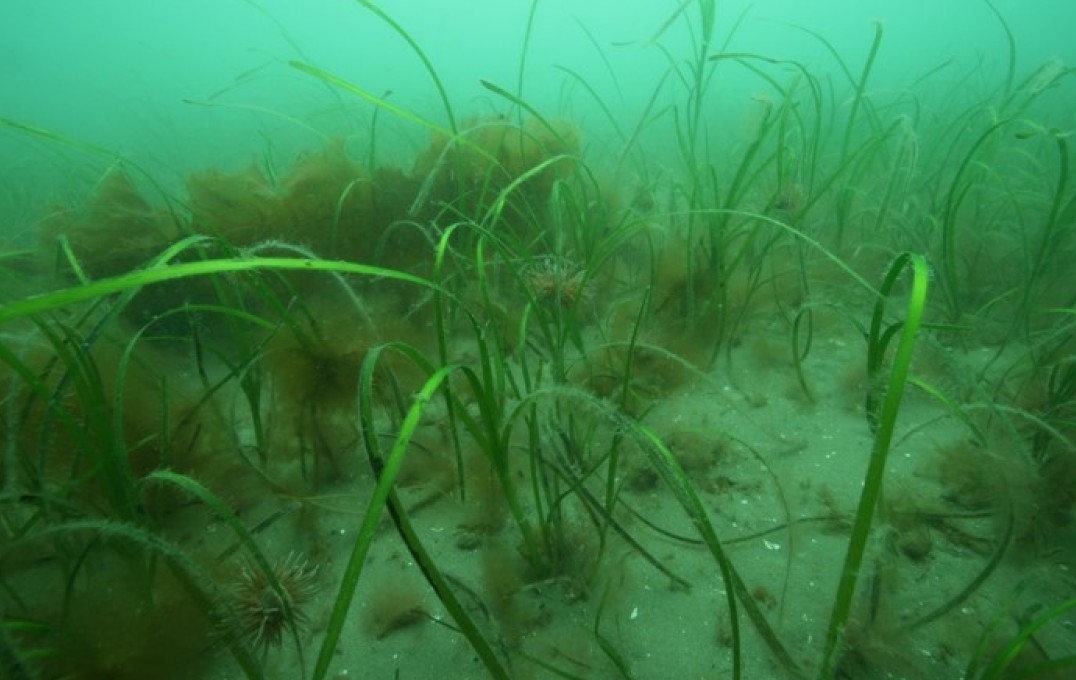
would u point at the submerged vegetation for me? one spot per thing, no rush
(802, 406)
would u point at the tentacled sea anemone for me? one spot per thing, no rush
(556, 279)
(262, 612)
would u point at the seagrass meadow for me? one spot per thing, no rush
(402, 340)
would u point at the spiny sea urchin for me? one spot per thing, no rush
(262, 612)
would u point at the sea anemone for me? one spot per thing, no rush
(556, 279)
(264, 612)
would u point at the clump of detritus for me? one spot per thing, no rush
(397, 603)
(1002, 479)
(969, 478)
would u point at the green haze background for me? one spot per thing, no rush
(181, 85)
